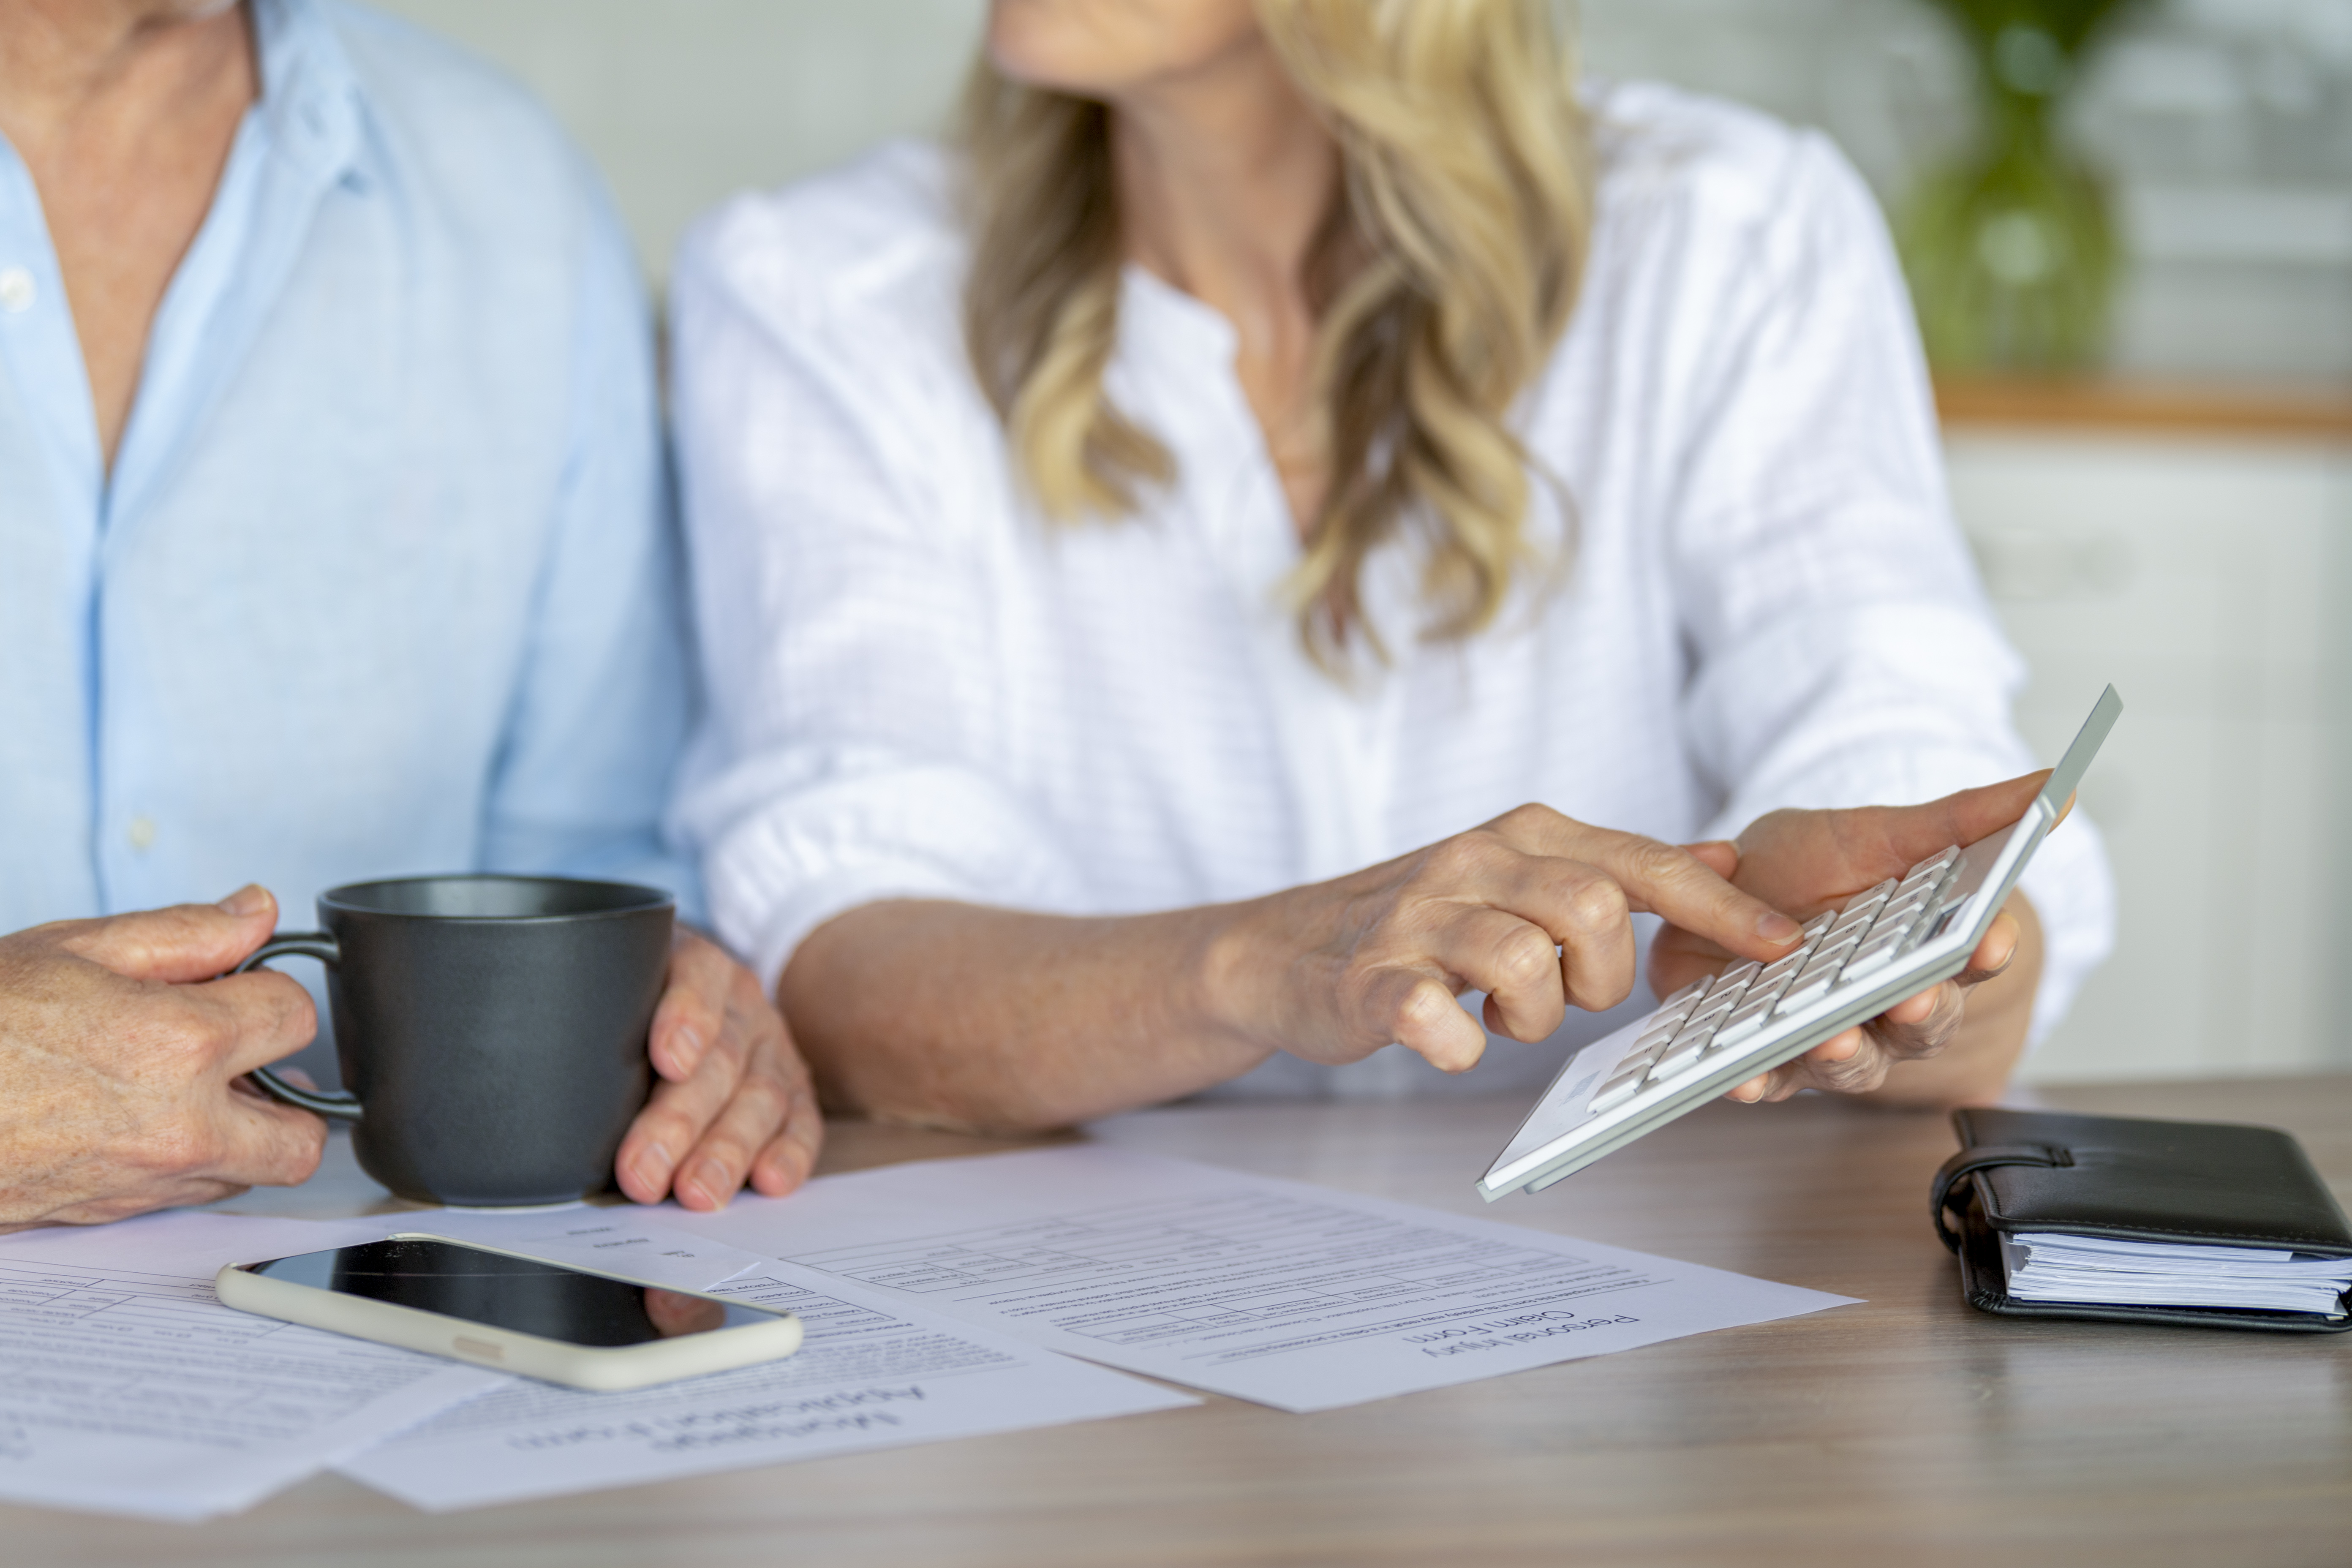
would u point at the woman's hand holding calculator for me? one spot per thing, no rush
(1950, 1045)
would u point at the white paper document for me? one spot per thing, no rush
(871, 1373)
(620, 1241)
(2048, 1267)
(1293, 1296)
(129, 1389)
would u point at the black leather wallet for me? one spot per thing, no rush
(2124, 1177)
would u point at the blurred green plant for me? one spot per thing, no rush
(2010, 246)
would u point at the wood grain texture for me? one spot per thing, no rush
(1907, 1430)
(2153, 408)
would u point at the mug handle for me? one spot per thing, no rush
(337, 1106)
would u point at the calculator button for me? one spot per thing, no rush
(1703, 1023)
(1926, 882)
(1897, 923)
(1693, 1039)
(1657, 1039)
(1736, 1028)
(1732, 986)
(1637, 1062)
(1817, 977)
(1672, 1015)
(1616, 1091)
(1872, 897)
(1878, 951)
(1938, 860)
(1688, 995)
(1897, 919)
(1832, 955)
(1905, 907)
(1861, 907)
(1868, 957)
(1633, 1068)
(1745, 1022)
(1687, 1049)
(1804, 993)
(1667, 1019)
(1893, 923)
(1674, 1010)
(1919, 881)
(1855, 919)
(1762, 995)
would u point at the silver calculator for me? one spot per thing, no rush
(1894, 941)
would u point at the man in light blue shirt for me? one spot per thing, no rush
(332, 547)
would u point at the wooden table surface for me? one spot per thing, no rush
(1909, 1430)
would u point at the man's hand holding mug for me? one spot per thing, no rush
(128, 1049)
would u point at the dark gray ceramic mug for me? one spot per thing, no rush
(491, 1029)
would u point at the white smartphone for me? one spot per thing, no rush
(495, 1308)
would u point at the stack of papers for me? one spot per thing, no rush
(125, 1387)
(1278, 1293)
(2103, 1271)
(949, 1299)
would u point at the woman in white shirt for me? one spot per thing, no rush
(1137, 549)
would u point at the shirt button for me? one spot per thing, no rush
(16, 290)
(142, 832)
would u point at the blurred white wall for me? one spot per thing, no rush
(2227, 121)
(685, 101)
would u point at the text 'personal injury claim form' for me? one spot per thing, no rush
(1296, 1297)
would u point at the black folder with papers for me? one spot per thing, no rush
(2136, 1221)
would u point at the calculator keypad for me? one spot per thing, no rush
(1839, 947)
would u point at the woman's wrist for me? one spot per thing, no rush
(1245, 958)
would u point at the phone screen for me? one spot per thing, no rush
(513, 1293)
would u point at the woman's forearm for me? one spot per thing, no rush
(960, 1016)
(954, 1015)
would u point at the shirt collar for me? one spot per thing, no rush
(310, 97)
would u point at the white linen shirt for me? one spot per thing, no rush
(922, 689)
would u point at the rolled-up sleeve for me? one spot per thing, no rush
(856, 689)
(1843, 652)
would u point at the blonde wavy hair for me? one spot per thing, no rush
(1442, 276)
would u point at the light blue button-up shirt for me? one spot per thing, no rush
(382, 581)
